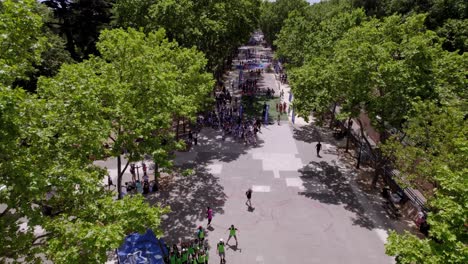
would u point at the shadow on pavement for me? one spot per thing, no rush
(311, 133)
(188, 198)
(330, 186)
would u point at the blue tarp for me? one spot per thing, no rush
(142, 249)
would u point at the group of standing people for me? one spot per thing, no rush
(190, 252)
(221, 246)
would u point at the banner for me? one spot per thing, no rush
(142, 249)
(290, 96)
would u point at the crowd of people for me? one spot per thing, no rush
(228, 116)
(194, 251)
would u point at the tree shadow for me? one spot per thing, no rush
(188, 198)
(327, 184)
(211, 147)
(312, 133)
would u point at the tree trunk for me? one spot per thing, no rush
(120, 172)
(333, 115)
(361, 143)
(348, 134)
(119, 177)
(177, 128)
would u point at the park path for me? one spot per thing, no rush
(306, 209)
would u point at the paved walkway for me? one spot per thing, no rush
(306, 209)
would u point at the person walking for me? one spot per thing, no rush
(248, 193)
(195, 138)
(220, 248)
(209, 215)
(109, 182)
(284, 107)
(279, 119)
(318, 148)
(132, 171)
(232, 233)
(190, 136)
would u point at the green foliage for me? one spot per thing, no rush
(394, 69)
(21, 41)
(88, 236)
(455, 33)
(436, 149)
(216, 28)
(273, 15)
(129, 95)
(312, 31)
(79, 22)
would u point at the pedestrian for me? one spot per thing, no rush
(280, 108)
(109, 181)
(201, 234)
(132, 171)
(190, 136)
(284, 107)
(195, 138)
(248, 193)
(220, 249)
(209, 215)
(318, 147)
(232, 233)
(279, 118)
(202, 257)
(146, 187)
(277, 107)
(185, 255)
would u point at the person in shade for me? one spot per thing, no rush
(201, 234)
(209, 215)
(318, 147)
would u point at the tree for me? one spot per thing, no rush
(54, 198)
(273, 15)
(216, 28)
(133, 91)
(79, 22)
(21, 43)
(435, 150)
(455, 32)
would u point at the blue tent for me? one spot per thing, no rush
(142, 249)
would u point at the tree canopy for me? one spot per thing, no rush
(407, 71)
(216, 28)
(132, 91)
(53, 204)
